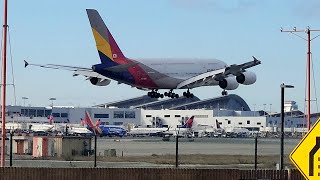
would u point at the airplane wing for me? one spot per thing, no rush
(217, 75)
(87, 72)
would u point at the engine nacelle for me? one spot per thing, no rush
(229, 83)
(246, 78)
(99, 82)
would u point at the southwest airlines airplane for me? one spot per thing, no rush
(153, 75)
(104, 130)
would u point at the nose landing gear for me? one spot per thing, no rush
(224, 93)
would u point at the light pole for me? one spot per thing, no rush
(282, 86)
(24, 101)
(264, 109)
(177, 149)
(52, 99)
(4, 82)
(25, 109)
(270, 110)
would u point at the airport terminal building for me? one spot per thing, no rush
(228, 112)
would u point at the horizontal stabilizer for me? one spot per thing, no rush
(25, 63)
(57, 66)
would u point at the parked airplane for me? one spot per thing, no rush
(218, 132)
(182, 130)
(104, 130)
(80, 131)
(40, 127)
(147, 131)
(156, 74)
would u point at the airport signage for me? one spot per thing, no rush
(306, 155)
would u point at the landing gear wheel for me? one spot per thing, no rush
(188, 94)
(224, 93)
(154, 94)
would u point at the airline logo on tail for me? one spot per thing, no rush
(94, 128)
(188, 123)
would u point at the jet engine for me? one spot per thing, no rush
(246, 78)
(99, 82)
(229, 83)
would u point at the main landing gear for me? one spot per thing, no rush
(155, 94)
(171, 94)
(224, 93)
(188, 94)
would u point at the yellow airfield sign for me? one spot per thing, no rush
(306, 155)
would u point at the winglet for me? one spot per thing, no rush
(25, 63)
(256, 60)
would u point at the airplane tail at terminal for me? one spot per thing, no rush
(109, 52)
(90, 124)
(188, 123)
(98, 122)
(88, 120)
(218, 125)
(83, 122)
(51, 119)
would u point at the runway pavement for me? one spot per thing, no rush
(223, 146)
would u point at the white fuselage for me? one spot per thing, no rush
(146, 131)
(79, 130)
(183, 68)
(41, 127)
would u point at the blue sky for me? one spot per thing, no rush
(58, 32)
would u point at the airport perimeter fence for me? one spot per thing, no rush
(23, 173)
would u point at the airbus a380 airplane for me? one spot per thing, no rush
(153, 75)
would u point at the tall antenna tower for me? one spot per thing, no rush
(308, 31)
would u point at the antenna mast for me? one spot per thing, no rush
(308, 31)
(3, 87)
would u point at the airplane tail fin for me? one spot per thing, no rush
(98, 122)
(83, 122)
(109, 52)
(218, 125)
(188, 123)
(51, 119)
(89, 121)
(90, 124)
